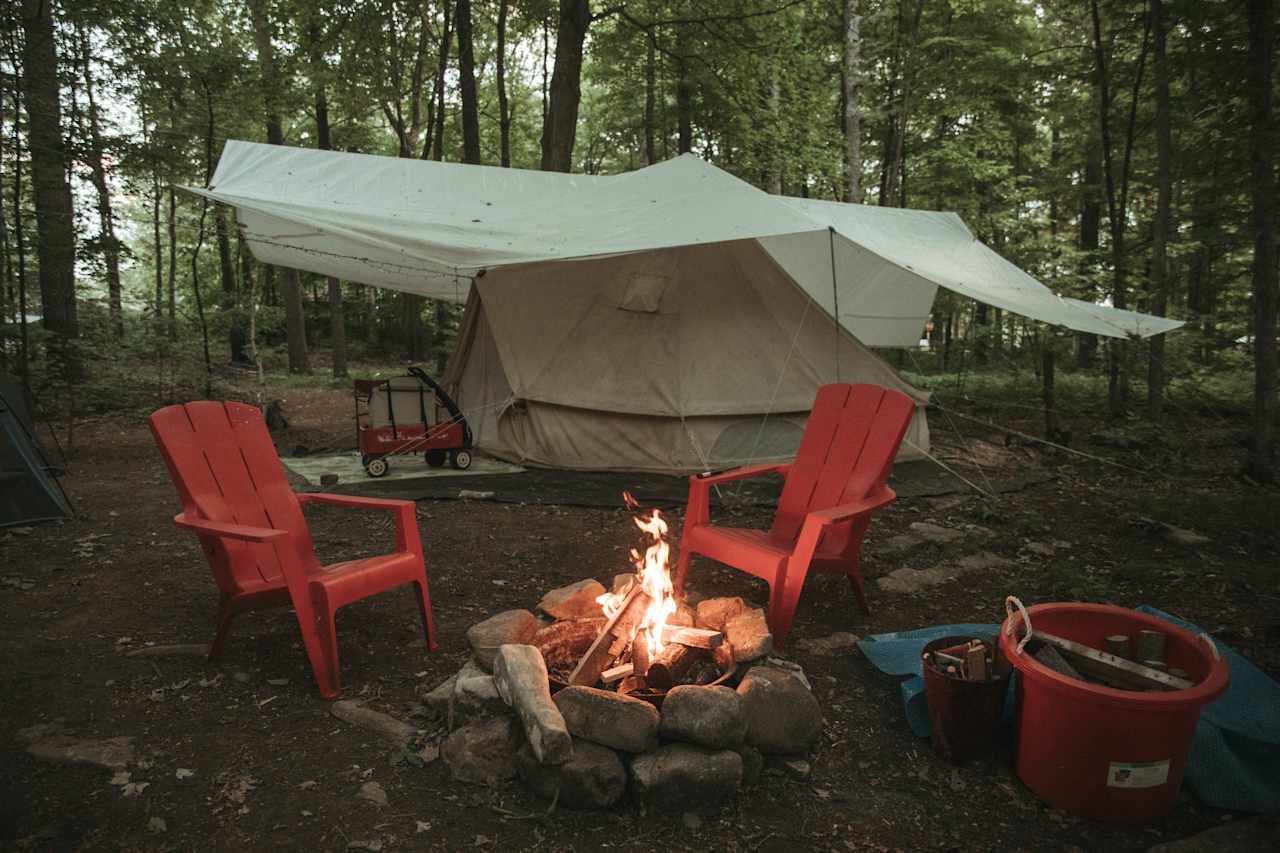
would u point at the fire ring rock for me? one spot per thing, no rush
(510, 626)
(714, 612)
(609, 719)
(575, 601)
(783, 718)
(593, 778)
(483, 752)
(707, 716)
(678, 776)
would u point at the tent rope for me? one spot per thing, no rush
(953, 472)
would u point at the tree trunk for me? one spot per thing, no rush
(19, 235)
(1090, 231)
(106, 219)
(230, 291)
(560, 127)
(56, 246)
(684, 96)
(338, 328)
(1260, 464)
(852, 90)
(467, 85)
(650, 99)
(171, 285)
(295, 316)
(324, 142)
(1162, 227)
(435, 134)
(504, 109)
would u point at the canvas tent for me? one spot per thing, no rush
(28, 490)
(672, 318)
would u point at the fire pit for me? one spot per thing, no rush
(628, 689)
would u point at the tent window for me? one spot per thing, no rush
(643, 292)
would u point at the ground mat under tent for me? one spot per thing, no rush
(604, 488)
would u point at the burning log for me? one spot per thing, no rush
(671, 665)
(640, 652)
(560, 641)
(616, 674)
(612, 639)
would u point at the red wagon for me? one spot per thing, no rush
(409, 414)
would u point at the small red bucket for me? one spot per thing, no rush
(1111, 755)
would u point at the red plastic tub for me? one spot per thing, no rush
(1110, 755)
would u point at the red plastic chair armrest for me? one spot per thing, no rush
(242, 532)
(844, 512)
(353, 501)
(739, 474)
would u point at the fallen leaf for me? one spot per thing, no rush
(157, 825)
(277, 682)
(121, 777)
(422, 826)
(133, 789)
(184, 773)
(308, 785)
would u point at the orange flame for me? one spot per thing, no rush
(653, 575)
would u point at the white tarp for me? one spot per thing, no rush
(429, 228)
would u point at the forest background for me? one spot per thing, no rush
(1118, 150)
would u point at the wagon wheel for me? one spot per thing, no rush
(461, 459)
(437, 458)
(377, 467)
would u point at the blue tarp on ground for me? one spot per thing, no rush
(1235, 756)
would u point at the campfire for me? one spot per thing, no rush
(630, 688)
(644, 642)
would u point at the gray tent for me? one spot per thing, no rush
(28, 490)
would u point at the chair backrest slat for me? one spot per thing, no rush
(225, 468)
(847, 451)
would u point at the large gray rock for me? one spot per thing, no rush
(783, 717)
(510, 626)
(594, 778)
(707, 716)
(914, 580)
(752, 764)
(520, 675)
(681, 776)
(575, 601)
(608, 718)
(386, 726)
(712, 613)
(483, 752)
(470, 691)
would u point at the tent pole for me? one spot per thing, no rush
(835, 295)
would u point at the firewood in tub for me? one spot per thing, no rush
(670, 666)
(612, 639)
(1052, 658)
(1118, 672)
(1149, 646)
(1118, 645)
(975, 662)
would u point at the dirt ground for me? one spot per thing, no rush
(243, 754)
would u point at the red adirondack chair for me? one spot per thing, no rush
(250, 524)
(834, 484)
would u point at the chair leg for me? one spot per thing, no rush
(315, 624)
(682, 570)
(424, 607)
(855, 581)
(785, 598)
(225, 613)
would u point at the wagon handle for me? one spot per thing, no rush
(1010, 602)
(1213, 647)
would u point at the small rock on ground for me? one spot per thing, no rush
(112, 753)
(934, 533)
(384, 725)
(841, 642)
(372, 792)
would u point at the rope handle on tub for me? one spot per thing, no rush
(1213, 647)
(1010, 602)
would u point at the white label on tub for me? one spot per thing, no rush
(1141, 774)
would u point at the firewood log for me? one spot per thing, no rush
(669, 666)
(612, 639)
(561, 642)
